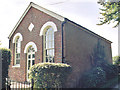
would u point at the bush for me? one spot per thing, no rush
(93, 78)
(6, 58)
(111, 70)
(49, 75)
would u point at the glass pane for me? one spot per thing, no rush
(33, 62)
(28, 64)
(19, 44)
(18, 50)
(52, 37)
(46, 59)
(18, 55)
(47, 45)
(53, 59)
(17, 61)
(50, 45)
(50, 59)
(33, 55)
(53, 53)
(29, 56)
(47, 52)
(50, 53)
(32, 49)
(29, 50)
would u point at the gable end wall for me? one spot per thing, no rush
(38, 18)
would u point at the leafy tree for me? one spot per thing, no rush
(110, 12)
(116, 60)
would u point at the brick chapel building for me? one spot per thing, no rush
(44, 36)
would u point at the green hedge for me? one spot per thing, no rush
(6, 56)
(49, 75)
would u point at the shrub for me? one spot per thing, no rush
(93, 78)
(111, 70)
(6, 58)
(49, 75)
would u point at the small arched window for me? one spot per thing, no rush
(49, 45)
(17, 50)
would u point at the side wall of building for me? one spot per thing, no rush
(37, 18)
(78, 47)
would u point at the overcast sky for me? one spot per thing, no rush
(83, 12)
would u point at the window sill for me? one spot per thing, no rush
(16, 66)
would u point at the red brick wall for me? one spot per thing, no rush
(38, 18)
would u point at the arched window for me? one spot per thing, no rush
(30, 50)
(49, 45)
(17, 50)
(30, 59)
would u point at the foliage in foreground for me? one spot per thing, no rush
(93, 78)
(111, 83)
(99, 76)
(49, 75)
(101, 70)
(6, 58)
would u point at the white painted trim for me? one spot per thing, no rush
(30, 44)
(49, 23)
(31, 26)
(16, 35)
(16, 66)
(59, 17)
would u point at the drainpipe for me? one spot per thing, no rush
(9, 43)
(63, 23)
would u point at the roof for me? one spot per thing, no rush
(57, 16)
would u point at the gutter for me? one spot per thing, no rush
(63, 23)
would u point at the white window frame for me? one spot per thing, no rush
(43, 31)
(17, 35)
